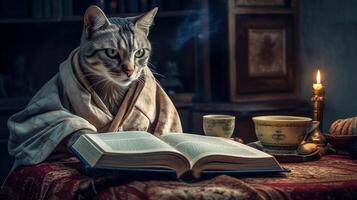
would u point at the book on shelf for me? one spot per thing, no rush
(144, 5)
(132, 6)
(51, 8)
(67, 6)
(79, 7)
(47, 8)
(172, 5)
(36, 9)
(179, 153)
(156, 3)
(112, 7)
(15, 9)
(121, 6)
(57, 9)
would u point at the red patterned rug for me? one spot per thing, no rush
(331, 177)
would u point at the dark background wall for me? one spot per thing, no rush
(328, 41)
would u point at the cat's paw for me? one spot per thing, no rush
(74, 136)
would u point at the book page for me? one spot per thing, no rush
(129, 142)
(130, 150)
(196, 147)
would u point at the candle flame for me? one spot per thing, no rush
(318, 78)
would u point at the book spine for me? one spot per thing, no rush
(132, 6)
(172, 5)
(57, 8)
(80, 6)
(156, 3)
(26, 10)
(144, 5)
(46, 6)
(112, 6)
(67, 8)
(37, 9)
(121, 6)
(189, 5)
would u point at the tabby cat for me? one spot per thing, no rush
(113, 53)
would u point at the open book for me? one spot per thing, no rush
(183, 153)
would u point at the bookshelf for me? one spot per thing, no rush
(161, 14)
(175, 17)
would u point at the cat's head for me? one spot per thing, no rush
(116, 49)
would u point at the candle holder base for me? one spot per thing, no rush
(319, 139)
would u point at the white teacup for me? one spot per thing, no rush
(282, 134)
(218, 125)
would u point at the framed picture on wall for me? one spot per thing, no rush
(262, 57)
(266, 52)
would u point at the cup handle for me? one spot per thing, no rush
(312, 126)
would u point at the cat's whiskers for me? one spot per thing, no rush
(89, 75)
(103, 80)
(116, 77)
(114, 74)
(153, 71)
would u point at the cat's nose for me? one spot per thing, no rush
(128, 70)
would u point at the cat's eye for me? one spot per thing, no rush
(111, 53)
(139, 53)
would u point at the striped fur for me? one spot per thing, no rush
(111, 76)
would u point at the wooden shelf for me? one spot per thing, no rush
(253, 107)
(245, 11)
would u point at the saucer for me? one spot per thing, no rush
(292, 157)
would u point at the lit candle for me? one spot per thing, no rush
(317, 100)
(317, 85)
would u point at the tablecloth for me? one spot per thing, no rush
(330, 177)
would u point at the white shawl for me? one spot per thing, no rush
(66, 104)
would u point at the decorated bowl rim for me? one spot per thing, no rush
(281, 118)
(219, 117)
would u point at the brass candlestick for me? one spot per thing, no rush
(317, 101)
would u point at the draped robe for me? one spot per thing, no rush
(67, 104)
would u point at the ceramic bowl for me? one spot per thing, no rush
(282, 134)
(218, 125)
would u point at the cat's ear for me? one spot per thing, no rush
(94, 19)
(144, 21)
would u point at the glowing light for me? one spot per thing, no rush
(318, 77)
(317, 85)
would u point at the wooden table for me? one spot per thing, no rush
(331, 177)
